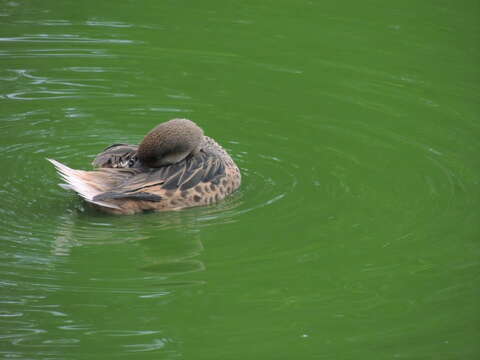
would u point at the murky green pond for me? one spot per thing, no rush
(356, 231)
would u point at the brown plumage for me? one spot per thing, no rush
(166, 144)
(175, 166)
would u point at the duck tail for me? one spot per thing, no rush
(78, 181)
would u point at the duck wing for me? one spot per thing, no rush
(117, 156)
(153, 184)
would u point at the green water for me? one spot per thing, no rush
(355, 234)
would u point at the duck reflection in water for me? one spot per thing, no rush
(120, 267)
(158, 250)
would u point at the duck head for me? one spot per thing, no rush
(170, 142)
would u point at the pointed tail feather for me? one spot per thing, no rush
(75, 180)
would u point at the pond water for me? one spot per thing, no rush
(355, 234)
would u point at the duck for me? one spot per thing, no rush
(175, 166)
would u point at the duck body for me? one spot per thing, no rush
(130, 179)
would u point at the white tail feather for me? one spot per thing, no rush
(65, 186)
(75, 182)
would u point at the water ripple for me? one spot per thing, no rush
(86, 276)
(64, 38)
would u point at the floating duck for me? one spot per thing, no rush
(175, 166)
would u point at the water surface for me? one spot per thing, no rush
(354, 234)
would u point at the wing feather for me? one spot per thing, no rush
(150, 185)
(116, 156)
